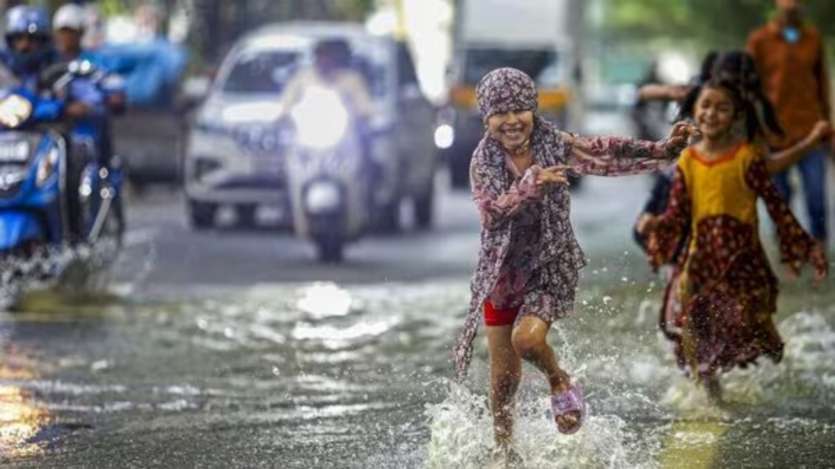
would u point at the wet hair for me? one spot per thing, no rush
(736, 73)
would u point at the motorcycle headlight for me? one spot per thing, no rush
(320, 118)
(14, 110)
(47, 167)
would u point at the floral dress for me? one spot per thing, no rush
(719, 305)
(528, 248)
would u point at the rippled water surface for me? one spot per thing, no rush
(319, 375)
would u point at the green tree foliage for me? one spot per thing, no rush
(712, 23)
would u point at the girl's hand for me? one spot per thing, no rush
(679, 136)
(552, 175)
(821, 131)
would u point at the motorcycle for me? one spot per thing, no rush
(329, 173)
(34, 222)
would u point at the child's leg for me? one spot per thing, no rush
(505, 373)
(529, 341)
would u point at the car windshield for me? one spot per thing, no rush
(540, 64)
(261, 72)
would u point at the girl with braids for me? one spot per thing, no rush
(529, 258)
(719, 305)
(732, 67)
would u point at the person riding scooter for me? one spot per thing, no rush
(332, 69)
(28, 49)
(91, 102)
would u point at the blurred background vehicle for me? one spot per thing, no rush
(237, 145)
(539, 37)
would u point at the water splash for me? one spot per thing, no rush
(461, 436)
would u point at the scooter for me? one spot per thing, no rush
(329, 173)
(34, 222)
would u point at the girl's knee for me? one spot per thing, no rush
(526, 343)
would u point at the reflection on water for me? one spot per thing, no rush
(21, 419)
(319, 375)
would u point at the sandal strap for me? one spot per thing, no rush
(567, 401)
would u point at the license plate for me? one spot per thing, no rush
(14, 152)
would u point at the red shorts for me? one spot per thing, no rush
(499, 317)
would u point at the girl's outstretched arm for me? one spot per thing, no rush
(496, 206)
(665, 232)
(780, 161)
(796, 245)
(615, 156)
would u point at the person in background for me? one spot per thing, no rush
(791, 59)
(332, 68)
(90, 100)
(28, 49)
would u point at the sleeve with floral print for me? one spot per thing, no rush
(671, 227)
(796, 245)
(496, 206)
(615, 156)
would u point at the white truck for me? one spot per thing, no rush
(539, 37)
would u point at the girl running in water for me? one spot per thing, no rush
(529, 258)
(719, 305)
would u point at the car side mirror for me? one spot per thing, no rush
(195, 90)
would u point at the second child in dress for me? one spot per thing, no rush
(719, 306)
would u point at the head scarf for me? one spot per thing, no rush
(505, 90)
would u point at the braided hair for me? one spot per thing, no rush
(736, 72)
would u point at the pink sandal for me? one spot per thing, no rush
(568, 402)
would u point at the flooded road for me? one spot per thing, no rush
(201, 358)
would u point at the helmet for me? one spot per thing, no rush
(24, 19)
(30, 21)
(70, 16)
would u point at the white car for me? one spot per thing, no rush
(237, 146)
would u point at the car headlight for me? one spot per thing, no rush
(444, 136)
(47, 167)
(14, 110)
(320, 118)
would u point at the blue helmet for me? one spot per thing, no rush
(24, 19)
(30, 21)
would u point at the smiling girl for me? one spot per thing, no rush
(719, 306)
(529, 258)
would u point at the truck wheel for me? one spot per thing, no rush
(202, 214)
(424, 205)
(329, 249)
(246, 215)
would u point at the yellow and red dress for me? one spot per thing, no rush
(719, 304)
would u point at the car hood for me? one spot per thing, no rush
(237, 109)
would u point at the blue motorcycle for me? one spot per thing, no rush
(34, 152)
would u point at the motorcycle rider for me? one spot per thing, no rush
(28, 45)
(332, 68)
(90, 101)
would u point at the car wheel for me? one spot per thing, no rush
(424, 205)
(202, 214)
(330, 249)
(246, 216)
